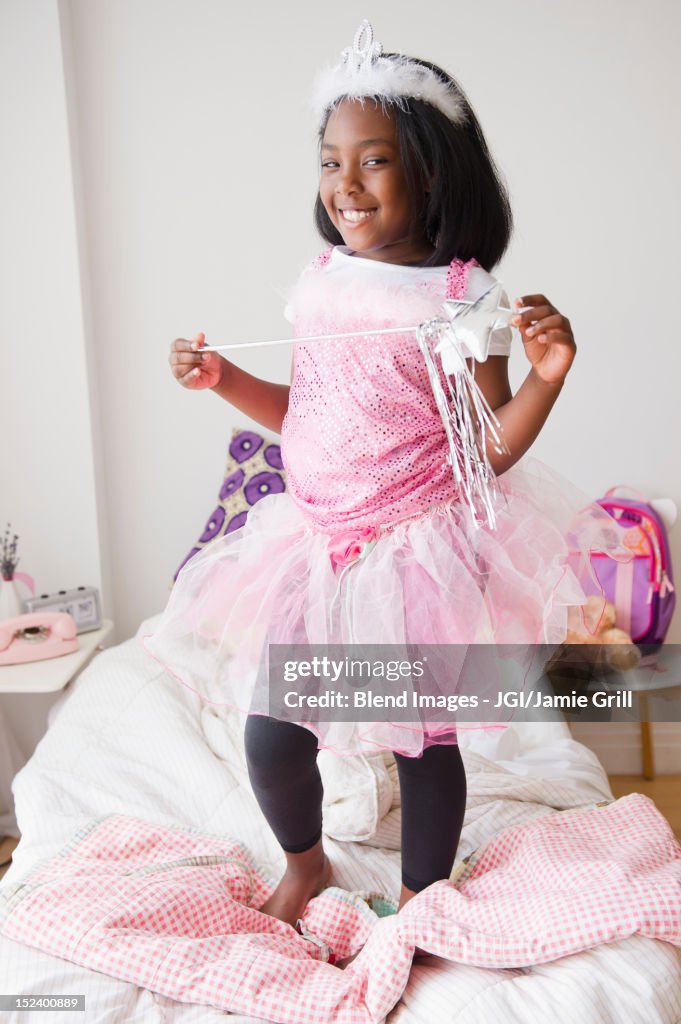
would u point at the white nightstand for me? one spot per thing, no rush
(37, 680)
(52, 674)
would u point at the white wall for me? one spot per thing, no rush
(49, 406)
(50, 453)
(160, 182)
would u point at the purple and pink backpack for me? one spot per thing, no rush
(641, 590)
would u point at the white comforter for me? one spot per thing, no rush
(126, 738)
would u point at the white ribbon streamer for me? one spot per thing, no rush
(467, 418)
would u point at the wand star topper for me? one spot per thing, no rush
(471, 326)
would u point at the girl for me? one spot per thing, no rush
(414, 212)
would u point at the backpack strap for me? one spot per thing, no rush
(457, 277)
(612, 491)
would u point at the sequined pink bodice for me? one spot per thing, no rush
(362, 441)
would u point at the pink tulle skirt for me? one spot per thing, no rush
(434, 578)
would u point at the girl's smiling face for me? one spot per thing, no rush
(363, 187)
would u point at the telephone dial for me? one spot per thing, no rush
(37, 636)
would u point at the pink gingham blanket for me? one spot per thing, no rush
(174, 910)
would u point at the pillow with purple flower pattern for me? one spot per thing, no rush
(254, 469)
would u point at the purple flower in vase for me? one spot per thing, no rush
(9, 559)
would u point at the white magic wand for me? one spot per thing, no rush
(463, 331)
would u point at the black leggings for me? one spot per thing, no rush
(282, 767)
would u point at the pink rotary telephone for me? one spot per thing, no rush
(36, 636)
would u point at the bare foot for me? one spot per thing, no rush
(296, 889)
(406, 895)
(347, 960)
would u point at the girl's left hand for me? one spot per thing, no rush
(547, 337)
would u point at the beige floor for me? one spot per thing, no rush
(7, 846)
(665, 791)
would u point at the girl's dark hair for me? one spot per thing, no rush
(466, 212)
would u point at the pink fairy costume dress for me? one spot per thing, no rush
(371, 544)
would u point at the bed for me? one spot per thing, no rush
(125, 739)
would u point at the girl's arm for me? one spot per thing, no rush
(521, 415)
(261, 400)
(550, 348)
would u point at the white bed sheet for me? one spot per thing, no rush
(126, 738)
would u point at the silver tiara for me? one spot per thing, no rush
(363, 72)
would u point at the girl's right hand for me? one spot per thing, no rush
(192, 369)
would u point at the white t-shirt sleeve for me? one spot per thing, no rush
(478, 282)
(291, 293)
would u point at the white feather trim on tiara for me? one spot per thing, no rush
(364, 73)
